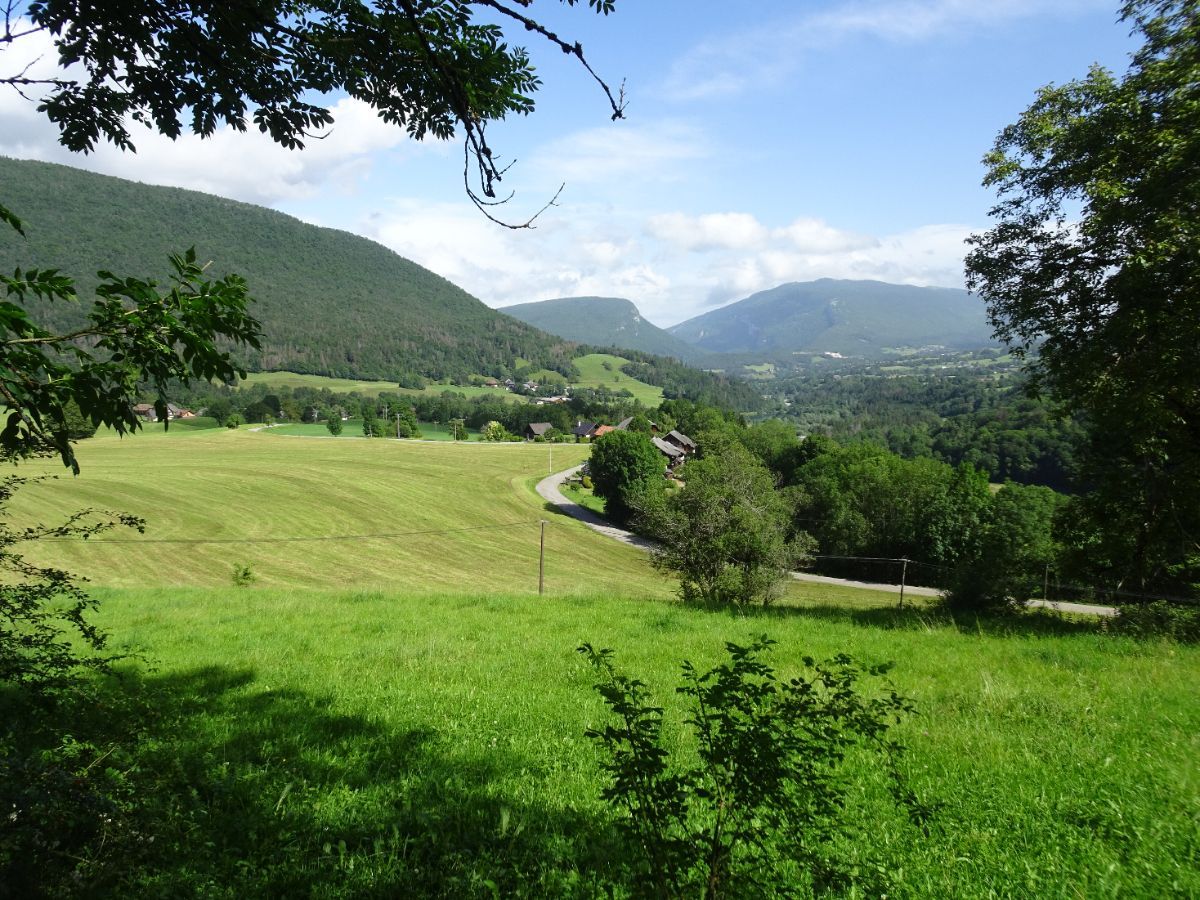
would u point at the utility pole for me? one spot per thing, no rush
(1046, 583)
(542, 560)
(903, 578)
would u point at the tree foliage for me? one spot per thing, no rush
(766, 793)
(427, 66)
(136, 333)
(725, 533)
(626, 471)
(1011, 551)
(1093, 269)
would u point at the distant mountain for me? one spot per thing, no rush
(331, 303)
(854, 318)
(602, 322)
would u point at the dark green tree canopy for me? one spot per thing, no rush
(428, 66)
(1094, 266)
(625, 467)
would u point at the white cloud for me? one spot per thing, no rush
(815, 236)
(619, 152)
(242, 165)
(706, 232)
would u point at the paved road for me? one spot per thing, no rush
(550, 490)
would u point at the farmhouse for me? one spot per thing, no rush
(602, 430)
(584, 429)
(681, 440)
(537, 430)
(673, 454)
(147, 413)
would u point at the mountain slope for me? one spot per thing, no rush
(331, 303)
(602, 322)
(855, 318)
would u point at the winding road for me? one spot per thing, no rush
(550, 490)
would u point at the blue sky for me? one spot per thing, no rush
(765, 142)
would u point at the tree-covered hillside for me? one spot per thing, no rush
(331, 303)
(854, 318)
(603, 322)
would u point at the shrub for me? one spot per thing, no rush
(243, 574)
(767, 795)
(1158, 619)
(47, 642)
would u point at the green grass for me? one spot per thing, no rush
(593, 374)
(385, 743)
(584, 497)
(320, 382)
(400, 496)
(404, 716)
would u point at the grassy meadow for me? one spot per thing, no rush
(402, 715)
(318, 512)
(593, 374)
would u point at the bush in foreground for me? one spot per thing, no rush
(762, 809)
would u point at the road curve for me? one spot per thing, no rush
(550, 490)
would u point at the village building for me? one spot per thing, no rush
(536, 430)
(673, 454)
(584, 429)
(681, 440)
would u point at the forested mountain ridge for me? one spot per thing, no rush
(331, 303)
(603, 322)
(854, 318)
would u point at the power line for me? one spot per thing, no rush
(288, 540)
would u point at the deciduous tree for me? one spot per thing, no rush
(725, 533)
(625, 469)
(1093, 270)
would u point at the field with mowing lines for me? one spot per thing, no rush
(303, 499)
